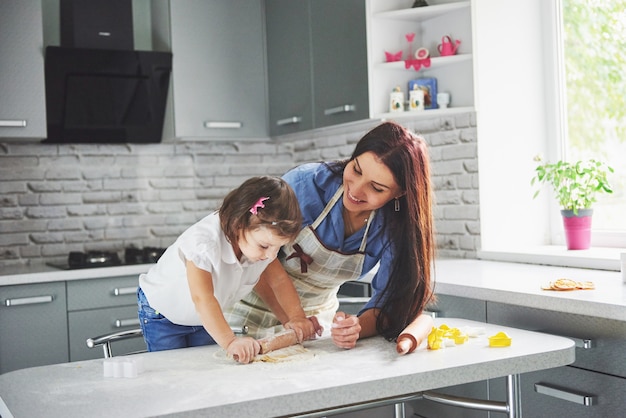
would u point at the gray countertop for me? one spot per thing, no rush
(203, 382)
(512, 283)
(520, 284)
(45, 274)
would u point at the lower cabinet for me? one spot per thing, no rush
(593, 386)
(33, 325)
(102, 306)
(564, 392)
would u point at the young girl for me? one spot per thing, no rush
(215, 263)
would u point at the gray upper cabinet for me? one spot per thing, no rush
(289, 66)
(22, 90)
(317, 63)
(339, 39)
(219, 74)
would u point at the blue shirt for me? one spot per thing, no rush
(315, 185)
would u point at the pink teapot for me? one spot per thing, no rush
(447, 47)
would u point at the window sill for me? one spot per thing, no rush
(598, 258)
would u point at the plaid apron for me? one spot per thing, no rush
(316, 271)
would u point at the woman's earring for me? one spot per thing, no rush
(396, 205)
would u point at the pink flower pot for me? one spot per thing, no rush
(577, 229)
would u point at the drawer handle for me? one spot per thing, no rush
(566, 395)
(340, 109)
(223, 125)
(121, 291)
(432, 314)
(353, 299)
(289, 121)
(119, 323)
(29, 301)
(583, 343)
(12, 123)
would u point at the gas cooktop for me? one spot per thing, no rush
(94, 259)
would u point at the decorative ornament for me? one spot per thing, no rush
(409, 37)
(391, 57)
(447, 47)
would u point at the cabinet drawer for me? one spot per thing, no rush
(605, 337)
(96, 322)
(564, 389)
(102, 293)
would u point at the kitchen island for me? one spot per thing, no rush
(202, 381)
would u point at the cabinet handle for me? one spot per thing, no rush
(119, 323)
(223, 125)
(121, 291)
(289, 121)
(340, 109)
(583, 343)
(28, 301)
(432, 314)
(12, 123)
(353, 299)
(566, 395)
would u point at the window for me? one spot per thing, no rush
(592, 39)
(521, 111)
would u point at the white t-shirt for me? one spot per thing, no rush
(204, 243)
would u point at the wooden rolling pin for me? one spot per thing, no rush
(281, 340)
(407, 341)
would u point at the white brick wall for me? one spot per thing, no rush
(79, 197)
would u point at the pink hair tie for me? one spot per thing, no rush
(257, 205)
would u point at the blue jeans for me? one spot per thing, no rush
(161, 334)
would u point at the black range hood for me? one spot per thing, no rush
(106, 96)
(98, 88)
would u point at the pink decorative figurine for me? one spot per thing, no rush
(447, 47)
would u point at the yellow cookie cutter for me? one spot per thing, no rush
(438, 336)
(501, 339)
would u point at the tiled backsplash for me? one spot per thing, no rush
(80, 197)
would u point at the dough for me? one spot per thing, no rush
(292, 353)
(295, 352)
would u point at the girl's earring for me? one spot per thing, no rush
(396, 205)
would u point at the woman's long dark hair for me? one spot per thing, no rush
(410, 230)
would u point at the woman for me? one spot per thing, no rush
(374, 208)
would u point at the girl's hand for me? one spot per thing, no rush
(305, 328)
(243, 349)
(345, 330)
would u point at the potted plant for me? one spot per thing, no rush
(575, 186)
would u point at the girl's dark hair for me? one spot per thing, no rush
(410, 230)
(281, 213)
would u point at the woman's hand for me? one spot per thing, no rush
(345, 330)
(305, 328)
(243, 349)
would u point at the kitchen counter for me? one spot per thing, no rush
(504, 282)
(520, 284)
(201, 381)
(45, 274)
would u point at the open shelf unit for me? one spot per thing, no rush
(389, 21)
